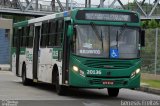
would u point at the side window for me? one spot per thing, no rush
(52, 33)
(30, 37)
(59, 32)
(26, 32)
(55, 33)
(21, 34)
(44, 35)
(24, 36)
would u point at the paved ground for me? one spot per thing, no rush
(11, 88)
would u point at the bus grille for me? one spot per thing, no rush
(106, 64)
(95, 81)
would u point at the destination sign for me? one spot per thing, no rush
(96, 15)
(107, 17)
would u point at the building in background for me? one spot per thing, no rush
(5, 40)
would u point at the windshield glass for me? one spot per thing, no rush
(105, 41)
(123, 42)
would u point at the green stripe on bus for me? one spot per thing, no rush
(22, 51)
(55, 52)
(13, 50)
(21, 24)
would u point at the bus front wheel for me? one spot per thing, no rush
(113, 92)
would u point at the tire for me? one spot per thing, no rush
(25, 81)
(59, 88)
(113, 92)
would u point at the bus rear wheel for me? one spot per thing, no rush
(25, 80)
(59, 88)
(113, 92)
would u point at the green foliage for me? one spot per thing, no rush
(159, 24)
(144, 24)
(150, 24)
(152, 83)
(148, 52)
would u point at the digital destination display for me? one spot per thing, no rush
(96, 15)
(107, 17)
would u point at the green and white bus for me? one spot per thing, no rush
(84, 48)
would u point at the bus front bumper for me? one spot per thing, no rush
(77, 80)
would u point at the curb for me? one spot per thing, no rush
(149, 90)
(4, 68)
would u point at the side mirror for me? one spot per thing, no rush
(142, 38)
(70, 31)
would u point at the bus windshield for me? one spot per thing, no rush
(106, 41)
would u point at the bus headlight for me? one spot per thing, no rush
(75, 68)
(135, 72)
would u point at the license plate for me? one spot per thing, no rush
(108, 82)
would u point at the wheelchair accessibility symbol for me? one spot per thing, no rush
(114, 53)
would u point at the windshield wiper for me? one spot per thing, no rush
(96, 31)
(99, 36)
(119, 34)
(123, 29)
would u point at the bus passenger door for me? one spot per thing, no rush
(36, 40)
(65, 62)
(18, 51)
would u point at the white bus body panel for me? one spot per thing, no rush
(45, 65)
(14, 63)
(29, 63)
(59, 64)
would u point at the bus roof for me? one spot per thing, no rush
(63, 14)
(40, 19)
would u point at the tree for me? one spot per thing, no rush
(144, 24)
(152, 24)
(159, 24)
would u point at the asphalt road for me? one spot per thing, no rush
(15, 94)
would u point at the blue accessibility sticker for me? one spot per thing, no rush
(65, 14)
(114, 53)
